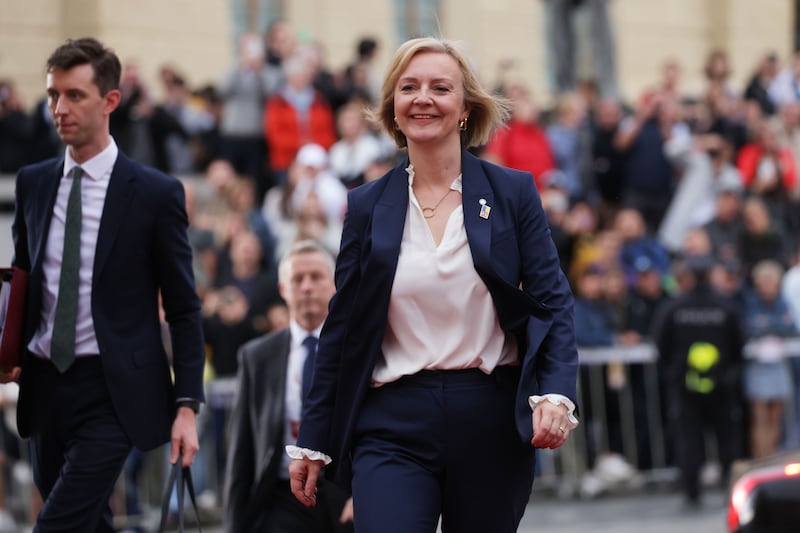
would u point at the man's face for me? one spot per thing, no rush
(80, 113)
(307, 286)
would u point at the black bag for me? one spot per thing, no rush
(179, 477)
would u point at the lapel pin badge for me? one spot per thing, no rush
(485, 209)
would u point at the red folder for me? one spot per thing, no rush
(12, 316)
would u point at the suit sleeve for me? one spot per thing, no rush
(317, 412)
(556, 360)
(240, 465)
(19, 231)
(179, 298)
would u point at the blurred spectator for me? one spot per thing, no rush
(726, 228)
(646, 138)
(356, 148)
(696, 242)
(767, 379)
(785, 87)
(361, 79)
(636, 243)
(244, 90)
(643, 300)
(315, 176)
(566, 37)
(555, 202)
(669, 85)
(296, 115)
(727, 280)
(695, 201)
(325, 81)
(130, 122)
(768, 170)
(280, 42)
(523, 144)
(757, 89)
(565, 137)
(45, 142)
(762, 238)
(700, 339)
(717, 71)
(241, 196)
(16, 129)
(236, 307)
(180, 145)
(786, 126)
(594, 327)
(608, 161)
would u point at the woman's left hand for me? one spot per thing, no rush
(551, 425)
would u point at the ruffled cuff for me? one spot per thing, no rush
(556, 399)
(295, 452)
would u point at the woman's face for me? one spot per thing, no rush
(429, 100)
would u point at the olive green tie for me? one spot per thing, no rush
(62, 347)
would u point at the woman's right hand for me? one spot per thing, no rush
(303, 476)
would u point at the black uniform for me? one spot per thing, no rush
(700, 338)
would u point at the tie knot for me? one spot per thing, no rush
(310, 343)
(77, 173)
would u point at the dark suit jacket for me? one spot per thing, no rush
(256, 437)
(256, 427)
(512, 248)
(142, 249)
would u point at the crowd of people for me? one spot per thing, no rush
(635, 196)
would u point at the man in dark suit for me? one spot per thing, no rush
(104, 240)
(266, 413)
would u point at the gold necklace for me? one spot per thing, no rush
(430, 212)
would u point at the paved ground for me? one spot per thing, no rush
(659, 512)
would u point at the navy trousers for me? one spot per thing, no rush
(77, 446)
(441, 443)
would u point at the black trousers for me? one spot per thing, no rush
(77, 446)
(284, 514)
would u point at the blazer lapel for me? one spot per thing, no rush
(388, 220)
(118, 197)
(45, 204)
(477, 201)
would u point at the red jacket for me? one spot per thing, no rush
(523, 146)
(285, 135)
(749, 157)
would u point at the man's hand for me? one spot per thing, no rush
(347, 511)
(303, 476)
(11, 375)
(550, 425)
(184, 436)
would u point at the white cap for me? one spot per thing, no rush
(312, 155)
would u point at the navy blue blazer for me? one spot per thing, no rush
(513, 253)
(142, 249)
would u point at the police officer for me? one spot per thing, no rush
(700, 338)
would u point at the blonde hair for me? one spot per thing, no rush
(486, 111)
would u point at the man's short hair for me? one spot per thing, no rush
(88, 51)
(306, 246)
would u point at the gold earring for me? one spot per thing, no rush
(462, 125)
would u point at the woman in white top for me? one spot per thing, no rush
(449, 351)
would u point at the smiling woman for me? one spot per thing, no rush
(425, 397)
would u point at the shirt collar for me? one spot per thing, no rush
(96, 167)
(298, 334)
(456, 185)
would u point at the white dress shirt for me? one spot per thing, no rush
(94, 185)
(294, 388)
